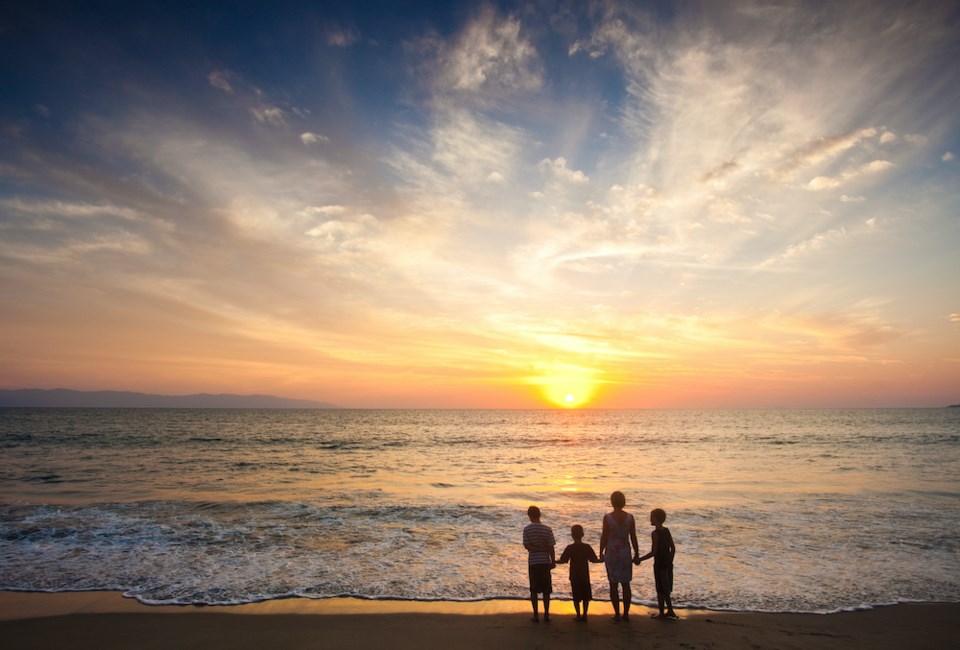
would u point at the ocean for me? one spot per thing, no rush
(771, 510)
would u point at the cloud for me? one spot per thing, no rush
(325, 210)
(947, 157)
(823, 183)
(816, 243)
(339, 37)
(717, 173)
(826, 183)
(313, 138)
(876, 166)
(821, 150)
(69, 209)
(559, 170)
(269, 115)
(857, 330)
(220, 79)
(49, 232)
(461, 149)
(358, 233)
(887, 137)
(254, 100)
(490, 55)
(852, 199)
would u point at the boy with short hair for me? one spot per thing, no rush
(539, 542)
(579, 555)
(662, 551)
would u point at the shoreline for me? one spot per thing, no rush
(103, 619)
(32, 604)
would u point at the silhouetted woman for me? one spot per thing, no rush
(619, 533)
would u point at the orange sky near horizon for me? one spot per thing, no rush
(492, 207)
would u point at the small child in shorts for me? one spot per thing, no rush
(662, 551)
(579, 555)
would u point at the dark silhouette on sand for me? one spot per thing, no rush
(579, 555)
(541, 559)
(619, 533)
(662, 551)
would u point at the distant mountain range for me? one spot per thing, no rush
(60, 397)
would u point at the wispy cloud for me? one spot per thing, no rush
(308, 137)
(490, 55)
(220, 79)
(342, 37)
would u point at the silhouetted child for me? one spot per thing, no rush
(579, 555)
(662, 551)
(539, 542)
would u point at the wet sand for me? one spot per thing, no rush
(107, 620)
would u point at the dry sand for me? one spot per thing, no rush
(107, 620)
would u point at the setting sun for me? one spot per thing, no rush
(568, 392)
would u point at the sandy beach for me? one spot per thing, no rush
(107, 620)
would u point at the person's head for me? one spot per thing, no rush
(617, 500)
(657, 516)
(534, 513)
(576, 532)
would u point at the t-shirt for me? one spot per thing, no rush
(579, 556)
(537, 534)
(663, 558)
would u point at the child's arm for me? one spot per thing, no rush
(673, 549)
(565, 556)
(653, 548)
(593, 556)
(633, 539)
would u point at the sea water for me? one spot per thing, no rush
(772, 510)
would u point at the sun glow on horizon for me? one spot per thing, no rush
(568, 393)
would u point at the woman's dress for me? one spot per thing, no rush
(617, 557)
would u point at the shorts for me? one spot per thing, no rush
(581, 589)
(663, 577)
(540, 580)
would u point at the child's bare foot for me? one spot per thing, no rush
(672, 615)
(659, 617)
(615, 618)
(535, 619)
(546, 618)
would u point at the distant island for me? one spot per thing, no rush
(60, 397)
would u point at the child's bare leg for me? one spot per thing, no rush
(576, 607)
(670, 612)
(536, 613)
(626, 600)
(586, 606)
(546, 608)
(659, 606)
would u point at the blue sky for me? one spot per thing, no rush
(484, 204)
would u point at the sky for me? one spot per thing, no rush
(737, 204)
